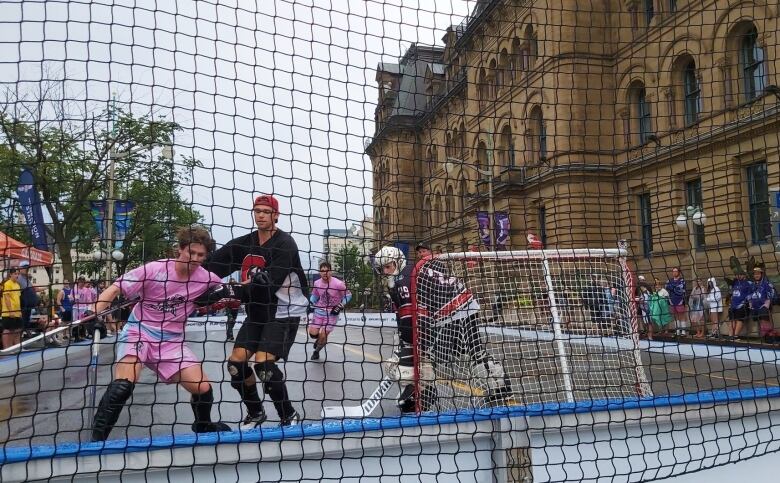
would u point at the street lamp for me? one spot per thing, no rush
(117, 255)
(689, 217)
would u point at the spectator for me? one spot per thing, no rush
(677, 289)
(658, 305)
(64, 305)
(696, 309)
(714, 305)
(84, 299)
(29, 298)
(12, 309)
(760, 302)
(739, 311)
(643, 293)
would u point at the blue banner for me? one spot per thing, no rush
(123, 213)
(483, 225)
(98, 209)
(31, 207)
(501, 220)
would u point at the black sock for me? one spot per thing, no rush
(201, 406)
(251, 398)
(277, 390)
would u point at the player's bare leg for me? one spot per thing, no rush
(242, 379)
(274, 385)
(194, 381)
(126, 373)
(320, 337)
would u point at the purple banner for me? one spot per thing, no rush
(502, 229)
(483, 224)
(31, 207)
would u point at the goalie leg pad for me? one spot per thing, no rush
(273, 383)
(239, 372)
(116, 395)
(201, 406)
(492, 372)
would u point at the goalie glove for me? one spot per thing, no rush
(337, 309)
(214, 294)
(400, 366)
(98, 323)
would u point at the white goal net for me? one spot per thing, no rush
(523, 327)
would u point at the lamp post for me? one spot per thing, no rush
(117, 255)
(689, 218)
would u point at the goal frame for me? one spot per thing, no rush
(620, 255)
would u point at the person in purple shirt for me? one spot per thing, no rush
(760, 302)
(739, 310)
(328, 299)
(676, 288)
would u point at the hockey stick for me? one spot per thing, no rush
(76, 322)
(92, 375)
(364, 409)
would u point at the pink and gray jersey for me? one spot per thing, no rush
(166, 300)
(327, 295)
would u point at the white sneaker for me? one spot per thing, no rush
(252, 422)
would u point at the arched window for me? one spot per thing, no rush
(504, 73)
(506, 148)
(494, 75)
(449, 202)
(437, 214)
(751, 64)
(692, 93)
(649, 12)
(484, 87)
(463, 193)
(536, 137)
(427, 209)
(462, 141)
(530, 48)
(517, 58)
(641, 117)
(481, 162)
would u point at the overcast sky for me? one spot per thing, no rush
(274, 99)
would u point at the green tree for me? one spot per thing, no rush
(70, 154)
(356, 273)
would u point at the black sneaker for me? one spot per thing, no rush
(230, 337)
(209, 427)
(253, 421)
(315, 355)
(293, 420)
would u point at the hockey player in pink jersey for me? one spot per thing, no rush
(328, 299)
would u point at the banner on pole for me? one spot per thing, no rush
(501, 220)
(483, 224)
(30, 203)
(123, 214)
(98, 209)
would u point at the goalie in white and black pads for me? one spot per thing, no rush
(447, 331)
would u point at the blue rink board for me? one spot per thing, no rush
(336, 427)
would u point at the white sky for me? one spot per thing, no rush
(277, 99)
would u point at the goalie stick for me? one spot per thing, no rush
(76, 322)
(364, 409)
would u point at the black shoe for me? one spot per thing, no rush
(253, 421)
(293, 420)
(209, 427)
(230, 337)
(315, 355)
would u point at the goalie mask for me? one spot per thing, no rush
(388, 255)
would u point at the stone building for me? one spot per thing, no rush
(595, 121)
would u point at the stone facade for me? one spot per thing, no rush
(583, 111)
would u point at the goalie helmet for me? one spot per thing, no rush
(388, 255)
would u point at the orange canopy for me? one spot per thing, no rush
(12, 248)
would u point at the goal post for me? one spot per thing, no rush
(540, 325)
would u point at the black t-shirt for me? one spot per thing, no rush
(288, 294)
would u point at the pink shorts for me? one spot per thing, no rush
(678, 309)
(166, 358)
(319, 322)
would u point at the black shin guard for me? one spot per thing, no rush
(201, 406)
(275, 388)
(239, 373)
(116, 395)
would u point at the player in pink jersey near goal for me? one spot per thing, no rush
(328, 298)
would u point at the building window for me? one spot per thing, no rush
(646, 222)
(649, 12)
(641, 112)
(751, 62)
(758, 201)
(693, 198)
(692, 94)
(672, 6)
(543, 225)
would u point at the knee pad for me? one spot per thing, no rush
(119, 391)
(267, 371)
(239, 372)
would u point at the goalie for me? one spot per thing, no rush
(447, 331)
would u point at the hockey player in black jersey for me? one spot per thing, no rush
(447, 329)
(277, 300)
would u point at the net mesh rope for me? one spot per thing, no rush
(519, 142)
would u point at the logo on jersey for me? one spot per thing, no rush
(169, 305)
(250, 265)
